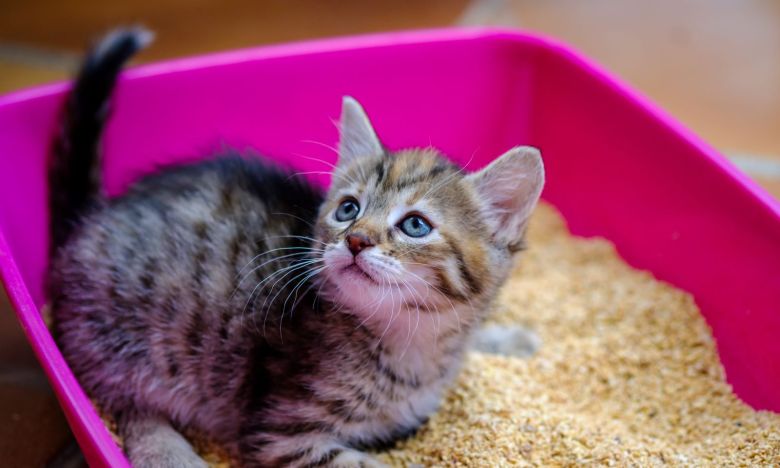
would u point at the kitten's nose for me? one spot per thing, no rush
(357, 242)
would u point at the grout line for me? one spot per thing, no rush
(756, 165)
(38, 57)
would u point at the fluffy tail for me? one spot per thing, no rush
(74, 166)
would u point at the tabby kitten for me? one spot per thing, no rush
(231, 298)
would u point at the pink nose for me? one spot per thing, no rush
(358, 242)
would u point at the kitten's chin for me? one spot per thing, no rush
(353, 285)
(355, 272)
(377, 297)
(353, 289)
(402, 315)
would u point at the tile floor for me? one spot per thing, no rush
(714, 64)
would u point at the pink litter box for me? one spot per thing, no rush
(617, 166)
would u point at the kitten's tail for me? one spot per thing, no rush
(74, 165)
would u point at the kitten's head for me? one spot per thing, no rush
(410, 232)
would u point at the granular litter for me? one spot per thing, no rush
(627, 374)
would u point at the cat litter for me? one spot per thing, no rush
(627, 374)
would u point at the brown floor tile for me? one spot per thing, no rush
(15, 76)
(188, 27)
(32, 426)
(15, 353)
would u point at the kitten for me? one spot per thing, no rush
(234, 299)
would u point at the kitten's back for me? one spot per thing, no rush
(158, 288)
(153, 293)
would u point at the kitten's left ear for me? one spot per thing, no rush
(358, 138)
(511, 186)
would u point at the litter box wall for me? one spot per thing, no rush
(616, 167)
(622, 169)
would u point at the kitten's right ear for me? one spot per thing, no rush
(358, 138)
(510, 186)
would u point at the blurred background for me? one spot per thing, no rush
(713, 64)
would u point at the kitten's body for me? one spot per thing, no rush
(187, 337)
(222, 297)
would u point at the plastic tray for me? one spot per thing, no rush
(617, 166)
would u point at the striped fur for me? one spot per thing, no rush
(221, 297)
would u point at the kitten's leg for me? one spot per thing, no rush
(355, 459)
(306, 449)
(507, 340)
(151, 442)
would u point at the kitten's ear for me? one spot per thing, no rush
(357, 137)
(510, 186)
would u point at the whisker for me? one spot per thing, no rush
(454, 310)
(377, 303)
(332, 166)
(284, 271)
(251, 295)
(297, 301)
(308, 249)
(447, 179)
(294, 216)
(295, 254)
(313, 272)
(307, 274)
(392, 313)
(291, 269)
(304, 265)
(319, 292)
(336, 174)
(324, 145)
(292, 236)
(409, 333)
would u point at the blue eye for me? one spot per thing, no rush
(347, 210)
(415, 226)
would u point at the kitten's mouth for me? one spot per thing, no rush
(355, 270)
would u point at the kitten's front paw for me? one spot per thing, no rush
(156, 445)
(507, 340)
(177, 456)
(355, 459)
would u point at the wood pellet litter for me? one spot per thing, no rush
(627, 375)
